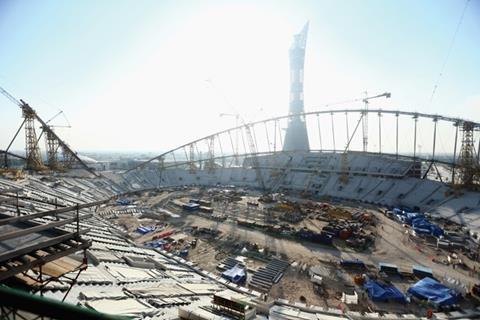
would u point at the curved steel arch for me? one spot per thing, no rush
(247, 126)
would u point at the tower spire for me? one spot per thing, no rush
(296, 137)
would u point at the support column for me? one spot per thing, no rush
(16, 203)
(415, 139)
(333, 133)
(275, 136)
(78, 220)
(346, 124)
(243, 142)
(268, 138)
(435, 120)
(220, 145)
(255, 138)
(379, 133)
(396, 138)
(319, 131)
(280, 134)
(455, 152)
(235, 155)
(478, 150)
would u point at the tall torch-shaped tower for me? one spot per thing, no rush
(296, 137)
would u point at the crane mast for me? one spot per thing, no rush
(364, 120)
(256, 162)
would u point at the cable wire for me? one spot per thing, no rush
(435, 87)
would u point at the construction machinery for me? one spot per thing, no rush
(364, 120)
(33, 158)
(251, 146)
(366, 102)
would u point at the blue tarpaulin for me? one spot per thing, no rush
(406, 209)
(237, 274)
(417, 221)
(402, 210)
(123, 202)
(383, 292)
(191, 206)
(407, 217)
(145, 230)
(155, 244)
(398, 211)
(423, 226)
(411, 216)
(434, 292)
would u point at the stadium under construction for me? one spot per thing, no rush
(311, 215)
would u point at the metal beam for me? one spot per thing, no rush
(11, 142)
(38, 262)
(41, 227)
(13, 155)
(317, 151)
(394, 112)
(11, 220)
(39, 245)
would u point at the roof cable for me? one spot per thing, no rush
(449, 51)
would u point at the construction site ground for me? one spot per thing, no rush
(392, 245)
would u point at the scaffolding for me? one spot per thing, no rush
(468, 162)
(32, 151)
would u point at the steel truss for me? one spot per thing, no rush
(461, 160)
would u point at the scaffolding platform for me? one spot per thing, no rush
(27, 244)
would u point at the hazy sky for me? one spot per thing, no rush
(132, 75)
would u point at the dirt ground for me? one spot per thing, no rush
(296, 286)
(392, 245)
(204, 255)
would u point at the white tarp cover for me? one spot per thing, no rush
(121, 307)
(94, 294)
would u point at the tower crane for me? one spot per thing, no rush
(248, 132)
(364, 120)
(237, 121)
(251, 146)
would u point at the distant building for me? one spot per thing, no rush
(296, 137)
